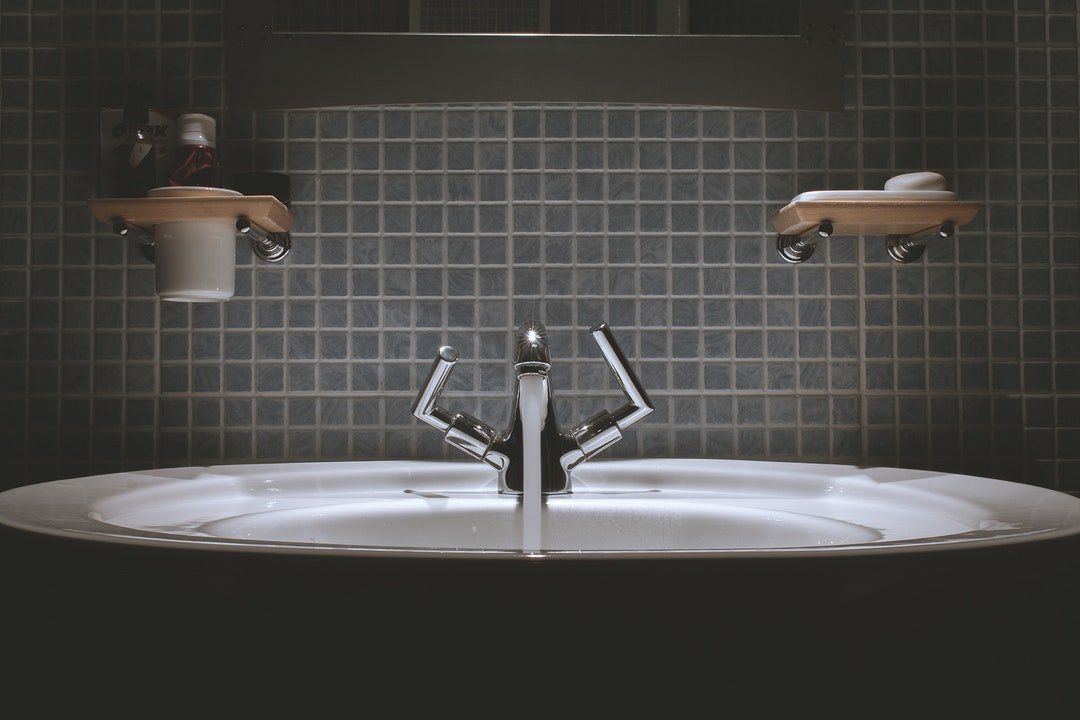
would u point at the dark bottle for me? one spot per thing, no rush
(138, 166)
(196, 162)
(129, 163)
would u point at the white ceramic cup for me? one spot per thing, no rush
(195, 260)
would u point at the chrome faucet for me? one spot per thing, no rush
(560, 451)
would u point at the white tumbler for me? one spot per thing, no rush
(195, 260)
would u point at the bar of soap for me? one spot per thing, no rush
(920, 181)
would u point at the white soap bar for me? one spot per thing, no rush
(879, 195)
(916, 181)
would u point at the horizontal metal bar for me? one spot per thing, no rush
(127, 230)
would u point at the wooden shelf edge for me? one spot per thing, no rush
(266, 211)
(873, 217)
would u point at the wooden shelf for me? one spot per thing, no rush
(873, 217)
(266, 211)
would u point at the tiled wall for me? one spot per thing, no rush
(419, 226)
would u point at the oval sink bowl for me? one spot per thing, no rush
(642, 508)
(794, 584)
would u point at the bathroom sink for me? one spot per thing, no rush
(650, 572)
(631, 509)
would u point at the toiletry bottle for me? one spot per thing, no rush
(128, 160)
(196, 162)
(136, 167)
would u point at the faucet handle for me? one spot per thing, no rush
(460, 430)
(638, 404)
(604, 429)
(426, 407)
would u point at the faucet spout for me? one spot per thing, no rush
(533, 394)
(531, 354)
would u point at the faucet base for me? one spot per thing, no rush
(545, 493)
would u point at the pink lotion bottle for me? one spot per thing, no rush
(196, 160)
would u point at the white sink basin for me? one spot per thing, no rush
(640, 508)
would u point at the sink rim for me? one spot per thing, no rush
(63, 508)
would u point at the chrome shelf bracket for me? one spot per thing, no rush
(797, 249)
